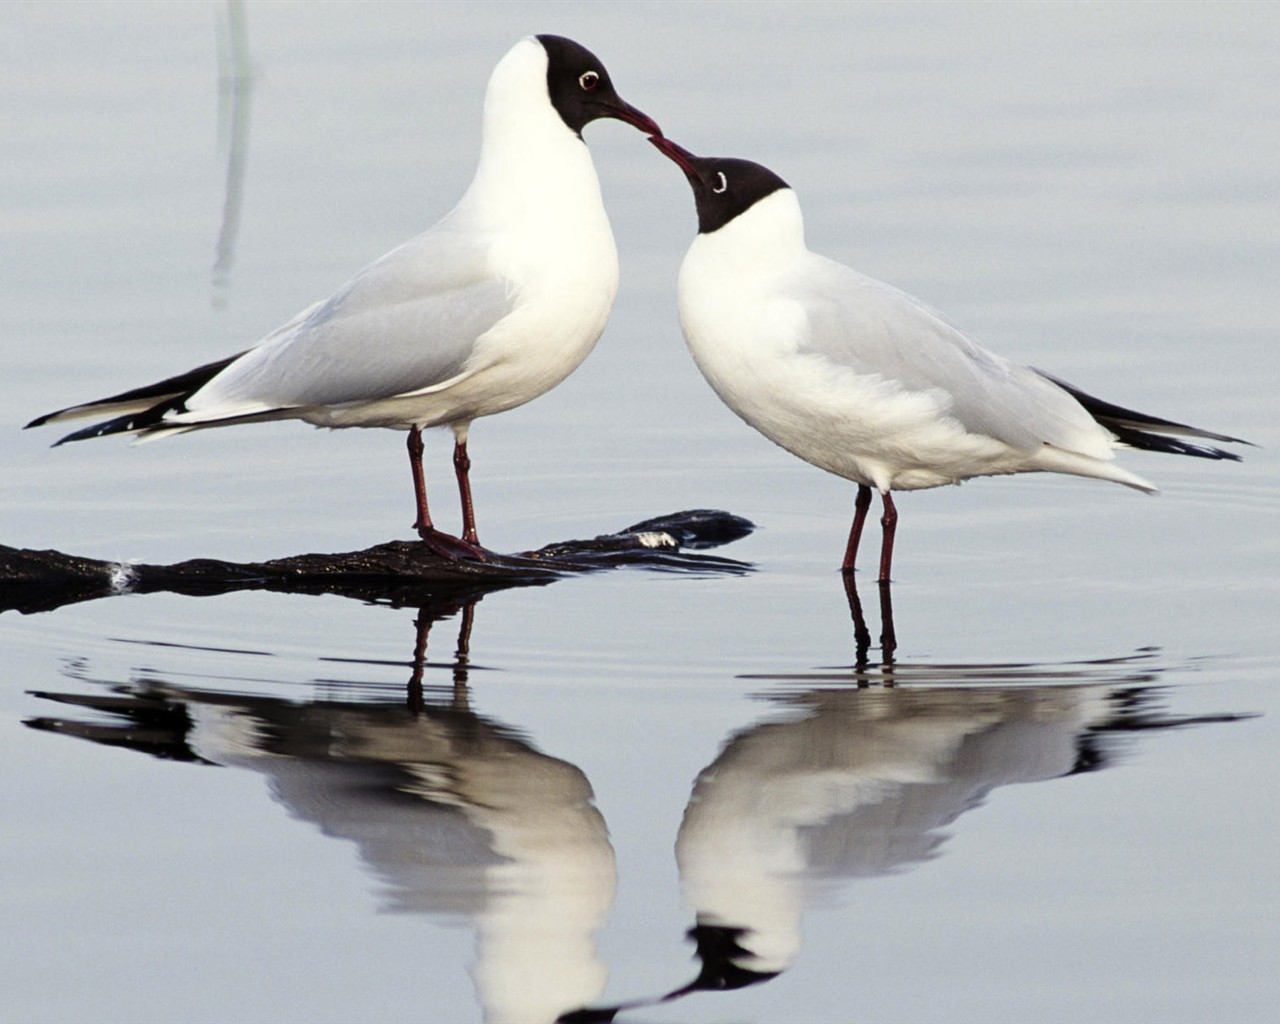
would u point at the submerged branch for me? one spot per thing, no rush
(402, 572)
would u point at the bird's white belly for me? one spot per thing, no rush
(862, 427)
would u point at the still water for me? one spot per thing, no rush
(1056, 804)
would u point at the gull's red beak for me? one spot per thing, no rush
(624, 111)
(680, 156)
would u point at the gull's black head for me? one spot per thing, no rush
(581, 90)
(723, 187)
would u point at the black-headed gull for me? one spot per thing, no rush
(861, 379)
(496, 304)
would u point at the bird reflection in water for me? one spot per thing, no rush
(453, 813)
(857, 782)
(457, 814)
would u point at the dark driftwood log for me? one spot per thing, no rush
(402, 572)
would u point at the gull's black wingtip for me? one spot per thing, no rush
(78, 435)
(150, 401)
(1149, 433)
(1151, 441)
(83, 434)
(133, 422)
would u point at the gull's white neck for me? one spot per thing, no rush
(535, 175)
(729, 277)
(765, 240)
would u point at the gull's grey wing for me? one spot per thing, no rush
(872, 328)
(407, 322)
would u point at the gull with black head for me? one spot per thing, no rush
(493, 306)
(862, 380)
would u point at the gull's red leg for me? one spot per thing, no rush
(860, 505)
(890, 523)
(423, 523)
(461, 467)
(439, 543)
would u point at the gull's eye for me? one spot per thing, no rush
(722, 183)
(589, 80)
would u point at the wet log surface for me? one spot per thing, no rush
(400, 572)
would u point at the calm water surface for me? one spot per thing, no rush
(265, 807)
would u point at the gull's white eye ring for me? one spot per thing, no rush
(589, 80)
(724, 183)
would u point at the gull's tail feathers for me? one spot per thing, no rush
(1150, 433)
(1058, 460)
(153, 424)
(142, 410)
(141, 399)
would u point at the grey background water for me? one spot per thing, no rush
(1091, 189)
